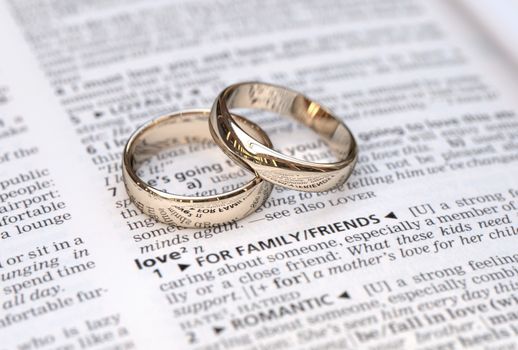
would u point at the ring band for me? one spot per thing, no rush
(186, 211)
(271, 165)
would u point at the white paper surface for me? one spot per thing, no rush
(417, 250)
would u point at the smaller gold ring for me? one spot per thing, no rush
(273, 166)
(180, 128)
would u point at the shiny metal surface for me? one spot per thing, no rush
(251, 153)
(186, 211)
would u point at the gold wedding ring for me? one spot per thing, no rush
(186, 211)
(252, 153)
(247, 145)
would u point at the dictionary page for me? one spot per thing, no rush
(417, 250)
(498, 20)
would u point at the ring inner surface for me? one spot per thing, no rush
(161, 158)
(289, 103)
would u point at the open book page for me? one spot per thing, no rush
(417, 250)
(497, 18)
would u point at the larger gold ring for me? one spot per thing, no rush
(275, 167)
(186, 211)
